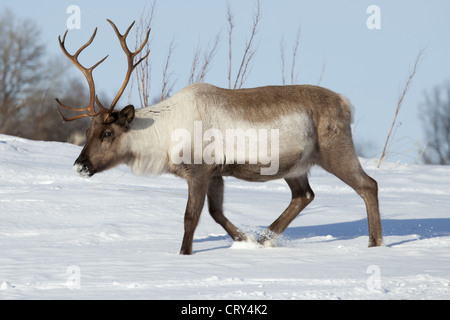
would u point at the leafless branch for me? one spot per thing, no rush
(400, 101)
(322, 71)
(198, 72)
(195, 63)
(143, 70)
(41, 112)
(282, 56)
(207, 59)
(230, 33)
(249, 51)
(167, 83)
(294, 55)
(293, 75)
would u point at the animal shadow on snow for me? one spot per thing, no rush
(420, 228)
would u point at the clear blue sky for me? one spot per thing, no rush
(368, 66)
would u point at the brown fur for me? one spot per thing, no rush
(327, 143)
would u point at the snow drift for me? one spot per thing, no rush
(117, 236)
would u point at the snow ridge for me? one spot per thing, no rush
(117, 235)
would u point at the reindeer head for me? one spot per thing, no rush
(103, 146)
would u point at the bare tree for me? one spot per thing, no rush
(29, 82)
(408, 82)
(435, 117)
(201, 66)
(230, 21)
(167, 82)
(293, 69)
(46, 123)
(21, 69)
(249, 50)
(293, 73)
(143, 70)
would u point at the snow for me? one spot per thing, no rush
(117, 236)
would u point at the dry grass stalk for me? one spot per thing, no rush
(399, 104)
(167, 83)
(199, 68)
(143, 70)
(249, 51)
(294, 75)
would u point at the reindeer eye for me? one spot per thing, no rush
(107, 134)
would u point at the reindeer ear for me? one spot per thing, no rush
(126, 115)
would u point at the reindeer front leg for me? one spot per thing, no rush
(197, 186)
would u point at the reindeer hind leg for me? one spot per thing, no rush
(340, 159)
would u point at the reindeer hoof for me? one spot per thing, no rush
(375, 242)
(268, 239)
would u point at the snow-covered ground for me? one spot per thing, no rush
(117, 235)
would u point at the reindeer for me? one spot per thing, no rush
(312, 125)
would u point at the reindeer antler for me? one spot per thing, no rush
(130, 58)
(88, 73)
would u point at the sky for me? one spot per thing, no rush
(368, 65)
